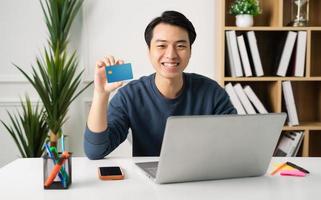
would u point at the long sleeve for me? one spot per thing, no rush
(140, 106)
(98, 145)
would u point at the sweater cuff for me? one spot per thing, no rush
(96, 138)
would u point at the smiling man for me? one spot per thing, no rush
(145, 104)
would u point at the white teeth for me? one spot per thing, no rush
(170, 64)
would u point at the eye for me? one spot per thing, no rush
(181, 46)
(161, 46)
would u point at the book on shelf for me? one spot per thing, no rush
(255, 55)
(290, 103)
(255, 100)
(300, 53)
(289, 144)
(244, 100)
(298, 143)
(233, 54)
(244, 56)
(286, 53)
(234, 99)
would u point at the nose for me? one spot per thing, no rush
(171, 52)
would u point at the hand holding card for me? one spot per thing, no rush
(120, 72)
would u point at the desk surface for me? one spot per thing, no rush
(22, 179)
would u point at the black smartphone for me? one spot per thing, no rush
(110, 173)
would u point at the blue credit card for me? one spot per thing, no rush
(120, 72)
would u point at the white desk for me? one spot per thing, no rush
(23, 179)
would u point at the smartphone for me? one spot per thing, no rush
(120, 72)
(110, 173)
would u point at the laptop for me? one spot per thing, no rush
(207, 147)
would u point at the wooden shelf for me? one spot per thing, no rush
(315, 53)
(304, 126)
(271, 78)
(271, 30)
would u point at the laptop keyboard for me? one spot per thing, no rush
(149, 167)
(152, 171)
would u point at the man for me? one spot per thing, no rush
(145, 104)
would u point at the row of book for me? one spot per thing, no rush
(246, 101)
(243, 54)
(290, 103)
(237, 49)
(293, 54)
(289, 144)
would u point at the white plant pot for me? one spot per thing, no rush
(244, 20)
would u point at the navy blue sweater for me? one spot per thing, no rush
(140, 106)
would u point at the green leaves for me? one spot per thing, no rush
(250, 7)
(59, 15)
(56, 79)
(28, 130)
(56, 82)
(55, 76)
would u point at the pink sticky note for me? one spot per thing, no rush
(294, 172)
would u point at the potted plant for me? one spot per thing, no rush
(244, 10)
(29, 130)
(55, 76)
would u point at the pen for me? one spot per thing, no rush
(50, 153)
(56, 169)
(62, 143)
(52, 156)
(62, 170)
(278, 168)
(298, 167)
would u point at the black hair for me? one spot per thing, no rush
(173, 18)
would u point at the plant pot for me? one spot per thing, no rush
(244, 20)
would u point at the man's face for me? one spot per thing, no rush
(169, 50)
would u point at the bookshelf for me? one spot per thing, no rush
(270, 30)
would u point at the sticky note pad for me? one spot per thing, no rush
(286, 167)
(120, 72)
(294, 172)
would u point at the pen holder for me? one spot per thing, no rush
(57, 173)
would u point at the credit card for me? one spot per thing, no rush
(120, 72)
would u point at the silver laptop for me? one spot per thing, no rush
(209, 147)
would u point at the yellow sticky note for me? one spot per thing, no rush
(286, 167)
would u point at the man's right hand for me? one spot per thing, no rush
(102, 87)
(97, 118)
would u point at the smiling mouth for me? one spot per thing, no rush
(170, 64)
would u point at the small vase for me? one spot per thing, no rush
(244, 20)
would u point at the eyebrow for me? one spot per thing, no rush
(178, 41)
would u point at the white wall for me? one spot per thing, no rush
(103, 27)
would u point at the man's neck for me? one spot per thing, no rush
(169, 88)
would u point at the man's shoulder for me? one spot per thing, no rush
(142, 81)
(202, 85)
(201, 80)
(134, 86)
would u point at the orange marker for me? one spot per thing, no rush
(278, 168)
(56, 169)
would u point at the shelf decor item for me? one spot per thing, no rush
(244, 10)
(300, 13)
